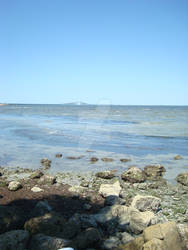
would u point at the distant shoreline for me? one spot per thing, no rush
(3, 104)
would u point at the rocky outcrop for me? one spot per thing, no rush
(16, 239)
(133, 175)
(183, 179)
(154, 172)
(110, 189)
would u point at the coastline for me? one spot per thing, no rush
(90, 203)
(3, 104)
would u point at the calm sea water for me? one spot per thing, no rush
(146, 134)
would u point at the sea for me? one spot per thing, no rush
(144, 134)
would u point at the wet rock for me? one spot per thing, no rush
(154, 172)
(167, 232)
(36, 175)
(178, 157)
(110, 189)
(47, 179)
(16, 239)
(106, 159)
(36, 189)
(183, 179)
(113, 200)
(41, 208)
(46, 163)
(14, 185)
(50, 224)
(133, 175)
(43, 242)
(125, 160)
(93, 159)
(140, 220)
(136, 244)
(89, 238)
(108, 174)
(111, 243)
(144, 203)
(58, 155)
(11, 218)
(75, 157)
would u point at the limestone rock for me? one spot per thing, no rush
(110, 189)
(144, 203)
(16, 239)
(36, 189)
(125, 160)
(43, 242)
(133, 175)
(108, 174)
(154, 244)
(183, 231)
(154, 172)
(47, 179)
(183, 179)
(14, 185)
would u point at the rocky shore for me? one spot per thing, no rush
(137, 209)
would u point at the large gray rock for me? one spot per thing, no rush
(110, 189)
(14, 185)
(144, 203)
(43, 242)
(183, 178)
(11, 218)
(47, 179)
(108, 174)
(45, 163)
(12, 240)
(133, 175)
(154, 172)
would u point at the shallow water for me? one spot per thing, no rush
(146, 134)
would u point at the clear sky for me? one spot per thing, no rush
(95, 51)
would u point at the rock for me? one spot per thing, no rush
(125, 160)
(106, 159)
(154, 244)
(87, 206)
(58, 155)
(183, 179)
(133, 175)
(113, 200)
(85, 220)
(93, 159)
(43, 242)
(14, 185)
(110, 189)
(136, 244)
(111, 243)
(84, 184)
(126, 237)
(167, 232)
(47, 179)
(77, 189)
(41, 208)
(154, 172)
(75, 157)
(3, 183)
(88, 238)
(11, 218)
(16, 239)
(46, 163)
(50, 224)
(36, 175)
(183, 231)
(108, 174)
(36, 189)
(178, 157)
(144, 203)
(140, 220)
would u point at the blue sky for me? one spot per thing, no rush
(95, 51)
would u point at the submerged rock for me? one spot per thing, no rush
(110, 189)
(106, 159)
(133, 175)
(46, 163)
(16, 239)
(183, 179)
(94, 159)
(75, 157)
(178, 157)
(154, 172)
(58, 155)
(125, 160)
(14, 185)
(108, 174)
